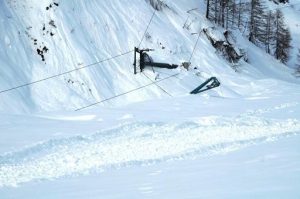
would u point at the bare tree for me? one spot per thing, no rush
(207, 8)
(298, 62)
(265, 29)
(269, 32)
(256, 22)
(282, 38)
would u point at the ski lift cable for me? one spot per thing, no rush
(139, 88)
(195, 46)
(153, 82)
(141, 41)
(144, 35)
(64, 73)
(77, 69)
(125, 93)
(164, 73)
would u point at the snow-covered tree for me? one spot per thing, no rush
(257, 22)
(207, 9)
(282, 38)
(298, 62)
(217, 11)
(226, 13)
(269, 32)
(266, 29)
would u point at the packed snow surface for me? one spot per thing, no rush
(269, 170)
(237, 141)
(84, 144)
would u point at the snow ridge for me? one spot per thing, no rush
(138, 143)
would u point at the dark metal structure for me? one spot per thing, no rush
(145, 60)
(211, 83)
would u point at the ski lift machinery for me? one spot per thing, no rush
(145, 60)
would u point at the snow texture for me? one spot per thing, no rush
(237, 141)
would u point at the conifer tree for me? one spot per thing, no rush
(207, 8)
(220, 11)
(298, 62)
(257, 22)
(269, 32)
(265, 29)
(282, 38)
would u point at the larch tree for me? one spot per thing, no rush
(257, 22)
(282, 38)
(207, 8)
(298, 62)
(269, 32)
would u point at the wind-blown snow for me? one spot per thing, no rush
(141, 141)
(256, 109)
(137, 143)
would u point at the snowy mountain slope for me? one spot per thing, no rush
(86, 32)
(291, 13)
(221, 138)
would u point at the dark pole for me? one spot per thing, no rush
(134, 63)
(142, 64)
(207, 9)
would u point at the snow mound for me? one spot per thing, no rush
(138, 143)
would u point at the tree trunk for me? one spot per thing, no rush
(207, 9)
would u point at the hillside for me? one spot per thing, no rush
(81, 35)
(143, 135)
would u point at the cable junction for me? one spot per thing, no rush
(142, 39)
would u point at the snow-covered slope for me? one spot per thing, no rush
(142, 136)
(78, 33)
(291, 13)
(57, 153)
